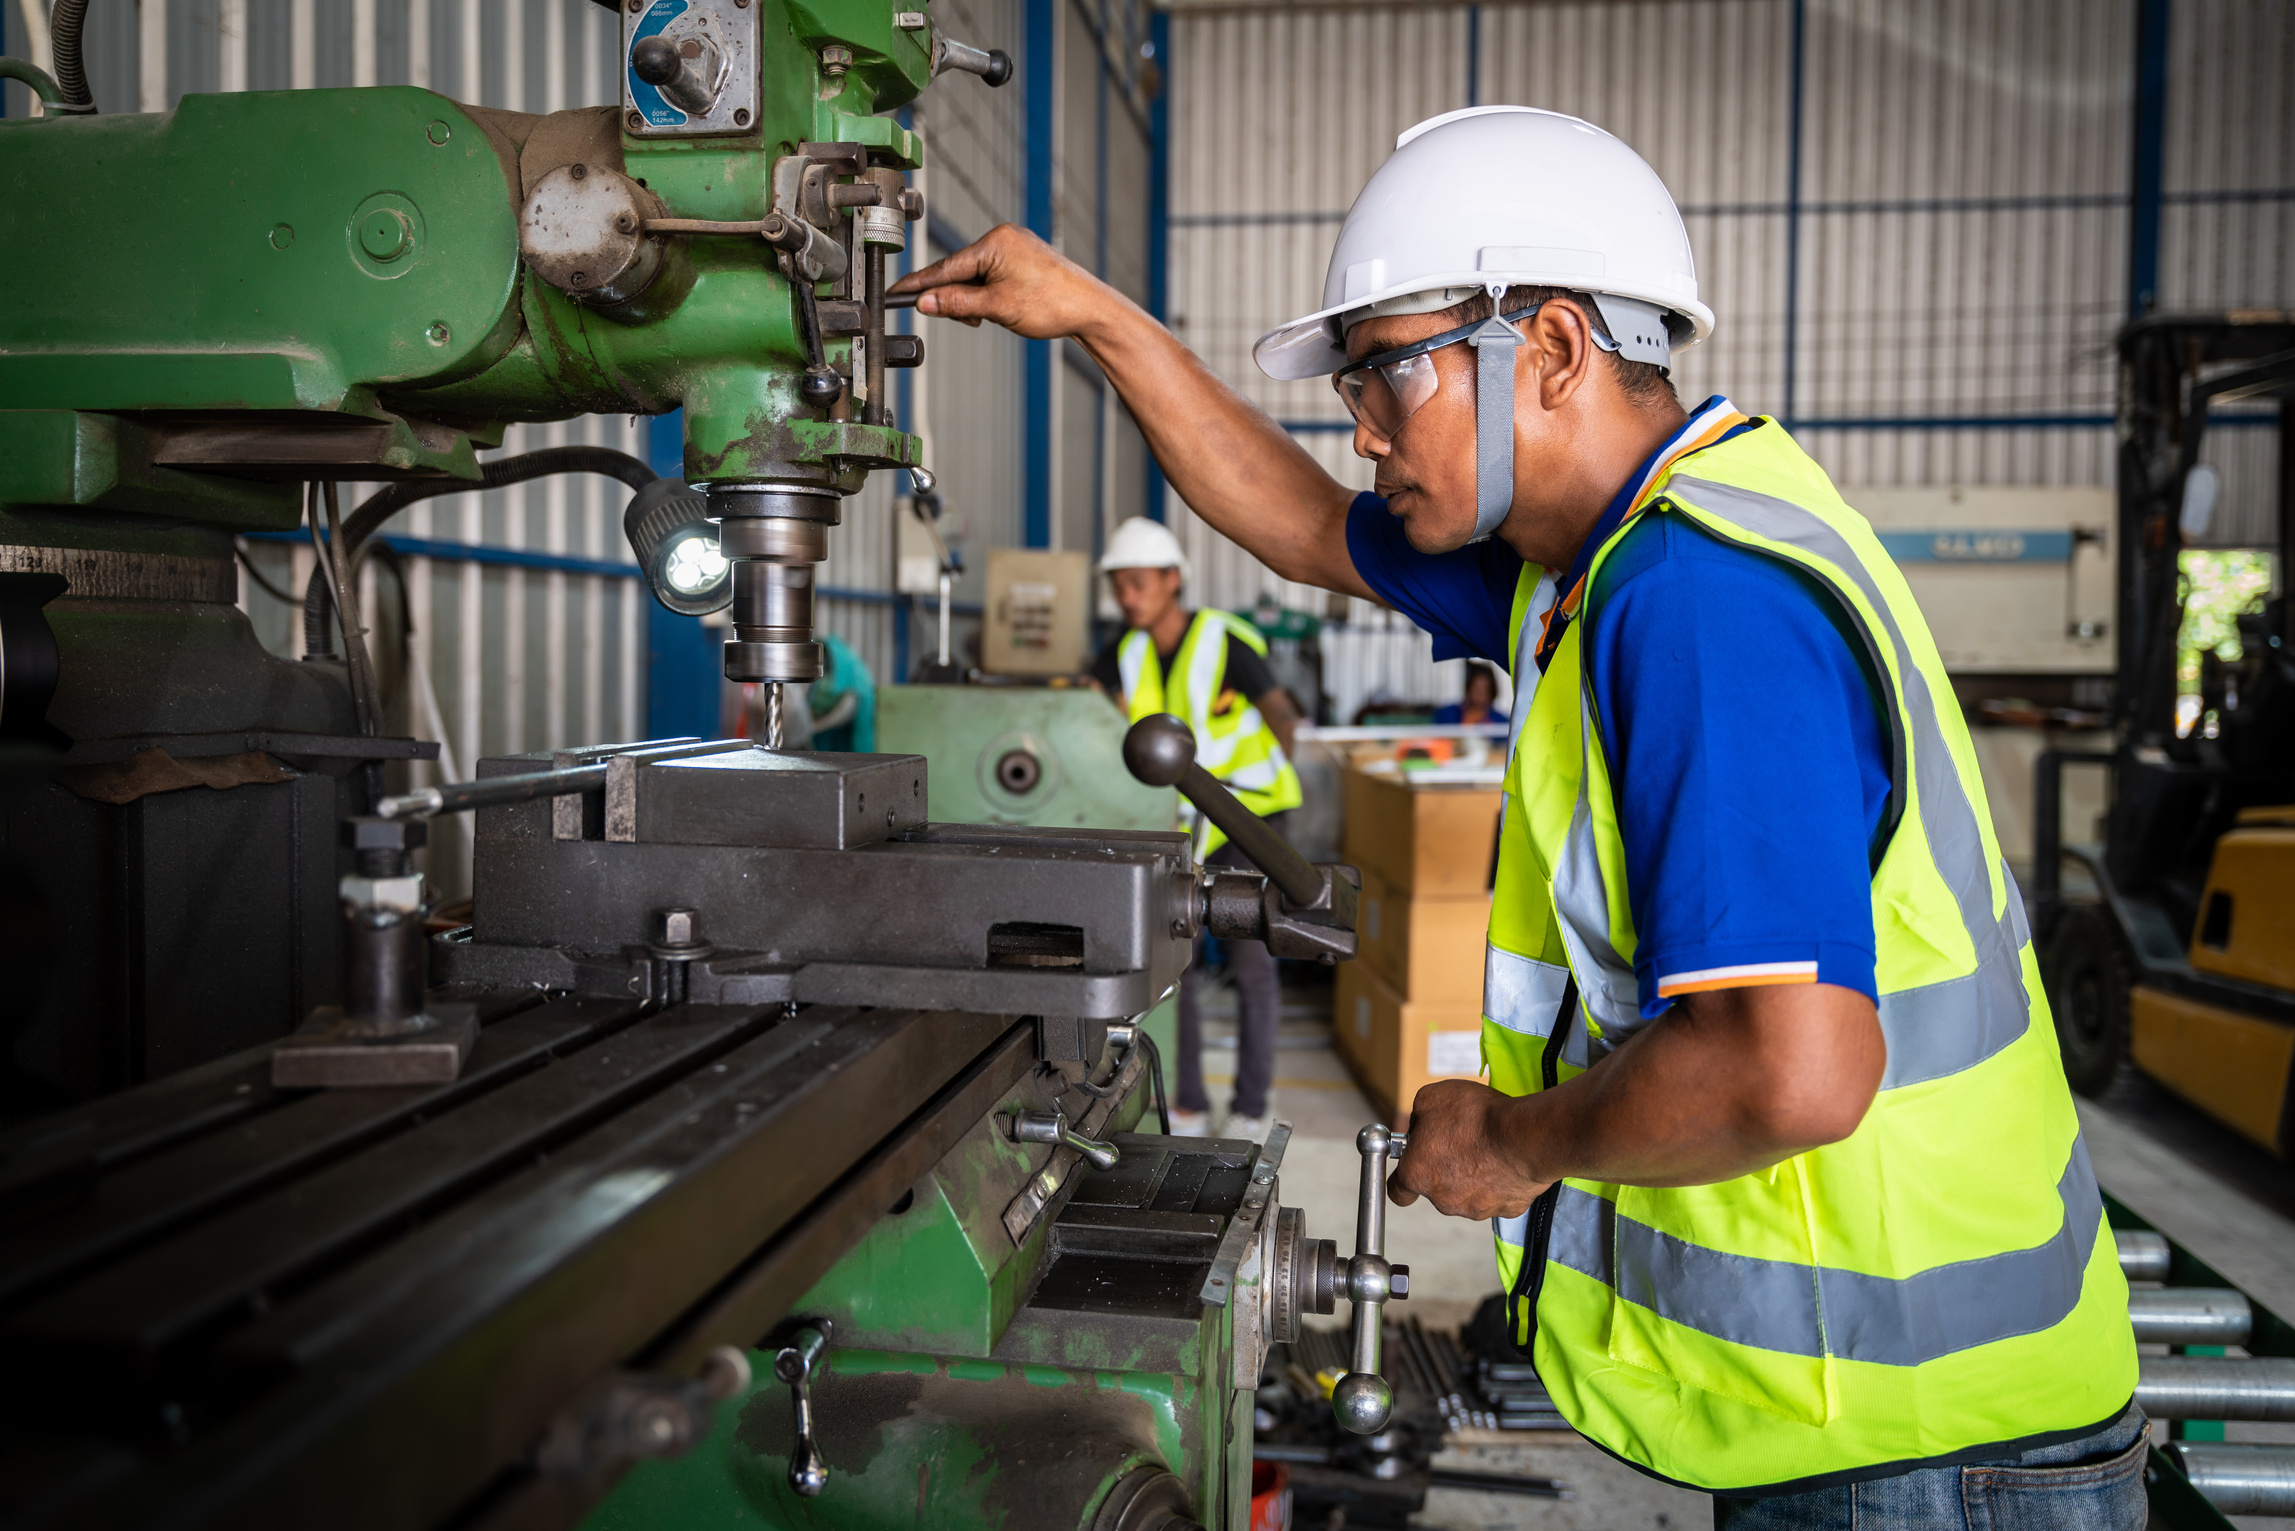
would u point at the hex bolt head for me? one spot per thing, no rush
(673, 928)
(381, 846)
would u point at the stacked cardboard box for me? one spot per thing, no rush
(1409, 1007)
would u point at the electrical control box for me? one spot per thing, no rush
(1038, 617)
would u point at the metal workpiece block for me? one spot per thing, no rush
(947, 918)
(574, 816)
(765, 797)
(718, 793)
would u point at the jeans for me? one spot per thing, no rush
(2092, 1484)
(1258, 1015)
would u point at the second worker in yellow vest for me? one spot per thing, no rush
(1209, 669)
(1790, 1199)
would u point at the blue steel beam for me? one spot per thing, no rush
(1038, 66)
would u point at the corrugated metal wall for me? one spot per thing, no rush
(1912, 217)
(520, 656)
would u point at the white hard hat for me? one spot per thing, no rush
(1143, 544)
(1504, 196)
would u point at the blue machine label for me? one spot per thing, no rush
(1988, 545)
(650, 103)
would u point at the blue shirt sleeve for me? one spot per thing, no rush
(1465, 598)
(1745, 746)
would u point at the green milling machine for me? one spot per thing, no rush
(764, 1151)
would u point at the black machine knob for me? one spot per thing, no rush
(820, 387)
(1159, 750)
(655, 60)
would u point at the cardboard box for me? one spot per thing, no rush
(1395, 1047)
(1426, 948)
(1434, 841)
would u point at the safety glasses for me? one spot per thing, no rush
(1387, 387)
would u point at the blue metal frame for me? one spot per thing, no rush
(1474, 55)
(2217, 420)
(683, 671)
(1038, 65)
(2149, 162)
(1159, 216)
(2036, 203)
(1793, 204)
(473, 552)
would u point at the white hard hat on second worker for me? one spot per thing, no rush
(1504, 196)
(1143, 544)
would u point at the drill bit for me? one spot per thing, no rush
(775, 731)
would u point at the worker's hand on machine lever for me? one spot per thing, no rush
(1012, 278)
(1461, 1156)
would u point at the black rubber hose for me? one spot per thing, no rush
(1155, 1069)
(65, 28)
(389, 500)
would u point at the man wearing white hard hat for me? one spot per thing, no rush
(1209, 669)
(1788, 1191)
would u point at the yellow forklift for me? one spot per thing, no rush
(2171, 944)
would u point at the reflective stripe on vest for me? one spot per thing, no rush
(1239, 746)
(1776, 1305)
(1935, 1282)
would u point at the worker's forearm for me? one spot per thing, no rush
(1725, 1084)
(1237, 469)
(1641, 1118)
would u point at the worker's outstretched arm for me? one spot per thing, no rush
(1724, 1084)
(1238, 469)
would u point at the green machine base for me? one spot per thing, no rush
(1013, 1349)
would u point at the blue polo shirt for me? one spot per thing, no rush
(1745, 739)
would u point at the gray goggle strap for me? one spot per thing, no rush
(1494, 347)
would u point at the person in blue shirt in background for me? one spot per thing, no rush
(1479, 704)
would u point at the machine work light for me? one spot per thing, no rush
(670, 531)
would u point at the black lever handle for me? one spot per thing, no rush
(1161, 752)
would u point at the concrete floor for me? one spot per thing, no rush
(2225, 1199)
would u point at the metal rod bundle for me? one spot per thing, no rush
(2241, 1479)
(2144, 1255)
(2190, 1315)
(2217, 1387)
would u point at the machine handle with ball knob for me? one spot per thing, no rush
(1160, 750)
(1363, 1400)
(794, 1364)
(1299, 909)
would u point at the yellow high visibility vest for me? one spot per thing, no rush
(1938, 1282)
(1232, 741)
